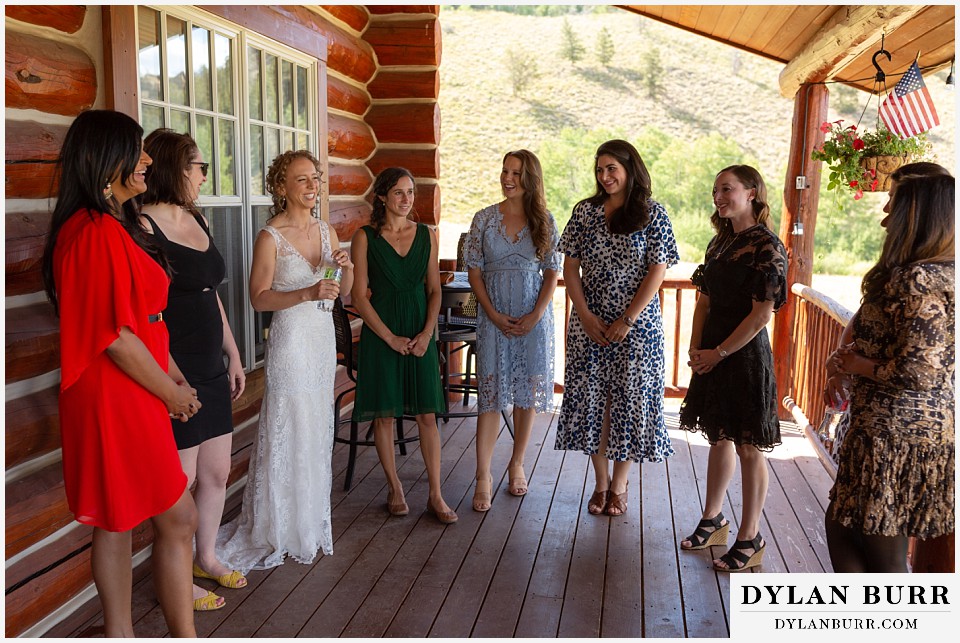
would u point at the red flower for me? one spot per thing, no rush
(853, 127)
(825, 127)
(872, 172)
(873, 186)
(858, 195)
(858, 144)
(854, 184)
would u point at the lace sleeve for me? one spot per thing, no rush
(924, 325)
(770, 277)
(473, 245)
(552, 260)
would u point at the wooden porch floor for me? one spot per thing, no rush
(539, 566)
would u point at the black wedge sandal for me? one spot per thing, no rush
(737, 561)
(704, 536)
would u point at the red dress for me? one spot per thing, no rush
(120, 463)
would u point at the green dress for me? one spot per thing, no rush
(390, 384)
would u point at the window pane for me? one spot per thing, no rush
(271, 80)
(288, 97)
(227, 231)
(149, 55)
(225, 161)
(288, 140)
(302, 98)
(180, 121)
(261, 320)
(202, 83)
(222, 51)
(177, 60)
(302, 142)
(256, 159)
(271, 142)
(204, 139)
(253, 83)
(151, 117)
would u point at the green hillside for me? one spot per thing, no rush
(712, 105)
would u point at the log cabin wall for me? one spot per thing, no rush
(382, 82)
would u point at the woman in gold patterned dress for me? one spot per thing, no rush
(900, 445)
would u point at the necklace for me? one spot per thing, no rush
(729, 242)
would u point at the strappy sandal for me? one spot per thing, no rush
(230, 580)
(482, 500)
(598, 502)
(709, 532)
(617, 501)
(737, 561)
(208, 603)
(518, 484)
(445, 517)
(397, 508)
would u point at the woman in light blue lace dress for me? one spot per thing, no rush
(513, 265)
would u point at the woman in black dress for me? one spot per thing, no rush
(732, 397)
(199, 338)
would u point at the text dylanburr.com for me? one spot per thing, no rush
(854, 606)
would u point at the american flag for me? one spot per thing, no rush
(908, 110)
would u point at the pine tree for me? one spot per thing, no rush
(572, 50)
(604, 49)
(523, 70)
(652, 72)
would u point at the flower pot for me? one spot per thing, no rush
(884, 166)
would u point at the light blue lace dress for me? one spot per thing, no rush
(511, 370)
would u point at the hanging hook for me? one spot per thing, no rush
(882, 52)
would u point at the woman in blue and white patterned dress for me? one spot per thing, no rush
(617, 246)
(513, 265)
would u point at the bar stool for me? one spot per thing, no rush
(455, 330)
(347, 357)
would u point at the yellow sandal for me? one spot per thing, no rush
(233, 580)
(208, 603)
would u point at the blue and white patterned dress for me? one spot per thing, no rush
(511, 370)
(612, 266)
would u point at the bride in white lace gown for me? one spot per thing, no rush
(286, 503)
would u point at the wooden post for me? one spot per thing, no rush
(799, 216)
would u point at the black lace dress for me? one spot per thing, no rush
(737, 400)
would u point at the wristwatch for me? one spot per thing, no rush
(626, 320)
(722, 352)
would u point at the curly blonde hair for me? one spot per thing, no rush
(277, 176)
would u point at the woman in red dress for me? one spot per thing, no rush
(118, 387)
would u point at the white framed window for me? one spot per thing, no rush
(244, 98)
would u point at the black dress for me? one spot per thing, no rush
(196, 336)
(737, 400)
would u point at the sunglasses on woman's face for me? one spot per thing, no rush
(203, 167)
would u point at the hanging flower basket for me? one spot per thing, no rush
(863, 161)
(881, 167)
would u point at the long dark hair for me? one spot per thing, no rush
(750, 178)
(635, 212)
(172, 153)
(96, 145)
(381, 186)
(920, 229)
(534, 201)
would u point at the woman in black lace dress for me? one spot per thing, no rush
(895, 475)
(732, 397)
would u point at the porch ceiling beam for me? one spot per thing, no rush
(845, 36)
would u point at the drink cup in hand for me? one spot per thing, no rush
(334, 273)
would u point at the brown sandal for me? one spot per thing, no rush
(397, 508)
(598, 502)
(617, 501)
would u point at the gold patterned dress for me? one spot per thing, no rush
(896, 466)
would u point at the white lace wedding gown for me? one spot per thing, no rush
(286, 503)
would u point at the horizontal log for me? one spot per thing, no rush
(405, 123)
(31, 154)
(65, 18)
(349, 138)
(48, 76)
(26, 233)
(32, 341)
(347, 217)
(423, 163)
(32, 426)
(405, 84)
(344, 96)
(427, 203)
(407, 42)
(299, 27)
(354, 15)
(349, 179)
(386, 9)
(36, 506)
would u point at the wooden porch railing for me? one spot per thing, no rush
(818, 324)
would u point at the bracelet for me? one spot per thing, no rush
(721, 352)
(626, 320)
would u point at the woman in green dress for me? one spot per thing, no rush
(398, 369)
